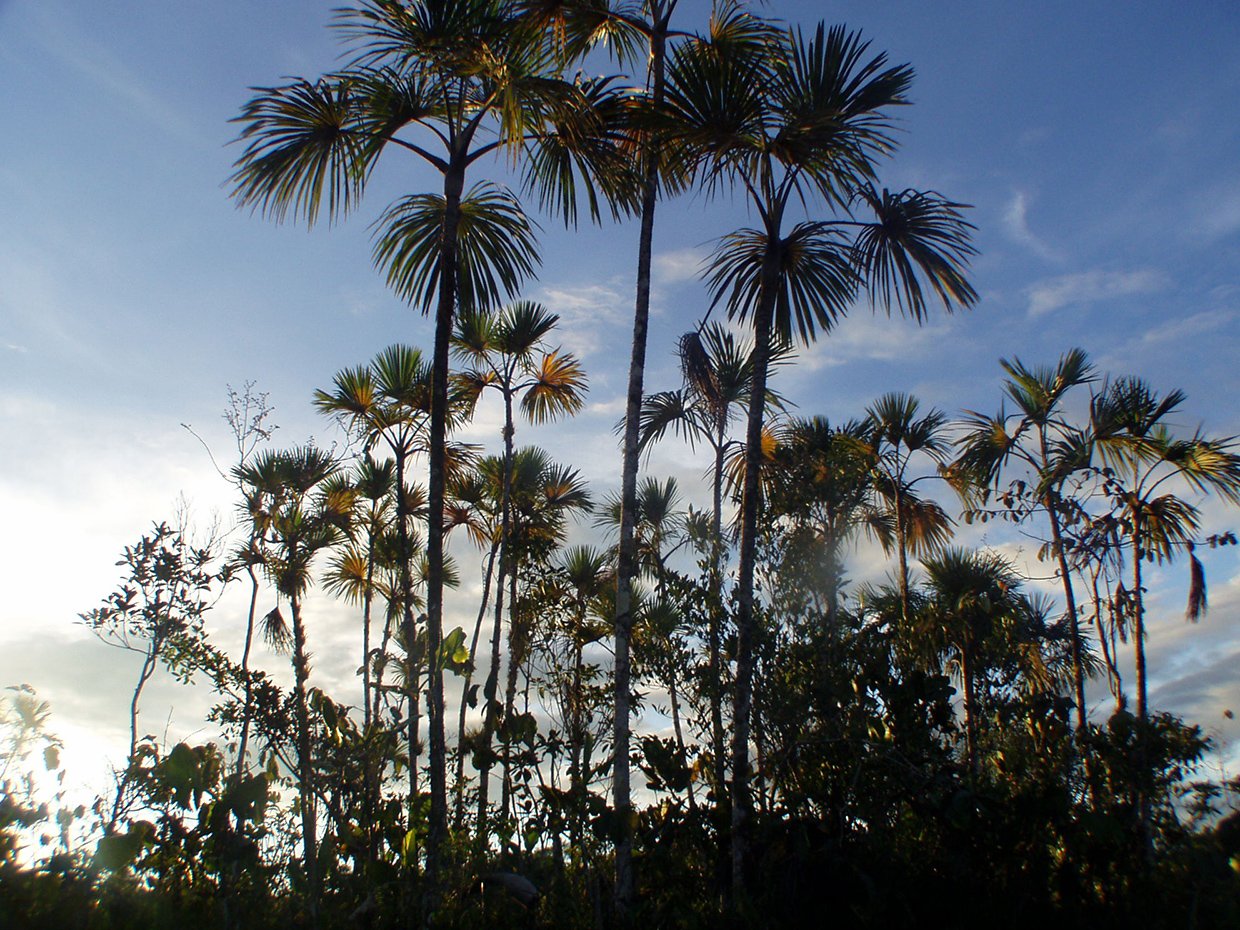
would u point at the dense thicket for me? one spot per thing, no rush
(928, 752)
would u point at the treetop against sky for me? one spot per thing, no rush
(1096, 147)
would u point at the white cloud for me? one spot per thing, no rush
(585, 310)
(1090, 286)
(679, 265)
(608, 408)
(1195, 325)
(1219, 212)
(872, 336)
(1016, 224)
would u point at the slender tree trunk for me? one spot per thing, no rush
(368, 597)
(1143, 730)
(626, 568)
(149, 662)
(575, 776)
(247, 710)
(970, 719)
(715, 633)
(516, 655)
(407, 622)
(383, 652)
(901, 540)
(681, 752)
(1051, 501)
(1138, 619)
(459, 815)
(491, 690)
(454, 185)
(305, 763)
(742, 801)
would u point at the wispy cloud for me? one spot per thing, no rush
(104, 69)
(1218, 212)
(1091, 286)
(607, 408)
(875, 337)
(1016, 225)
(679, 265)
(13, 347)
(1195, 325)
(585, 311)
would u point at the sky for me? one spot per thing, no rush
(1096, 142)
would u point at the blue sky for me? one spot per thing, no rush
(1097, 142)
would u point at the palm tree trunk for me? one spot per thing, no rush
(516, 656)
(1138, 619)
(1050, 501)
(1143, 734)
(970, 718)
(715, 633)
(247, 710)
(901, 542)
(626, 564)
(305, 763)
(368, 597)
(454, 185)
(407, 624)
(459, 815)
(370, 788)
(742, 802)
(491, 691)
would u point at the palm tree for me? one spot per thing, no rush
(718, 373)
(1131, 432)
(819, 476)
(388, 401)
(507, 353)
(897, 434)
(973, 614)
(352, 572)
(588, 573)
(544, 494)
(302, 522)
(1039, 439)
(791, 119)
(448, 82)
(352, 576)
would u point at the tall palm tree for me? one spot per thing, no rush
(352, 571)
(544, 495)
(507, 352)
(303, 522)
(1037, 438)
(588, 572)
(448, 82)
(792, 119)
(388, 401)
(352, 575)
(897, 434)
(1131, 432)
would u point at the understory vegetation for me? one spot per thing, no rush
(703, 718)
